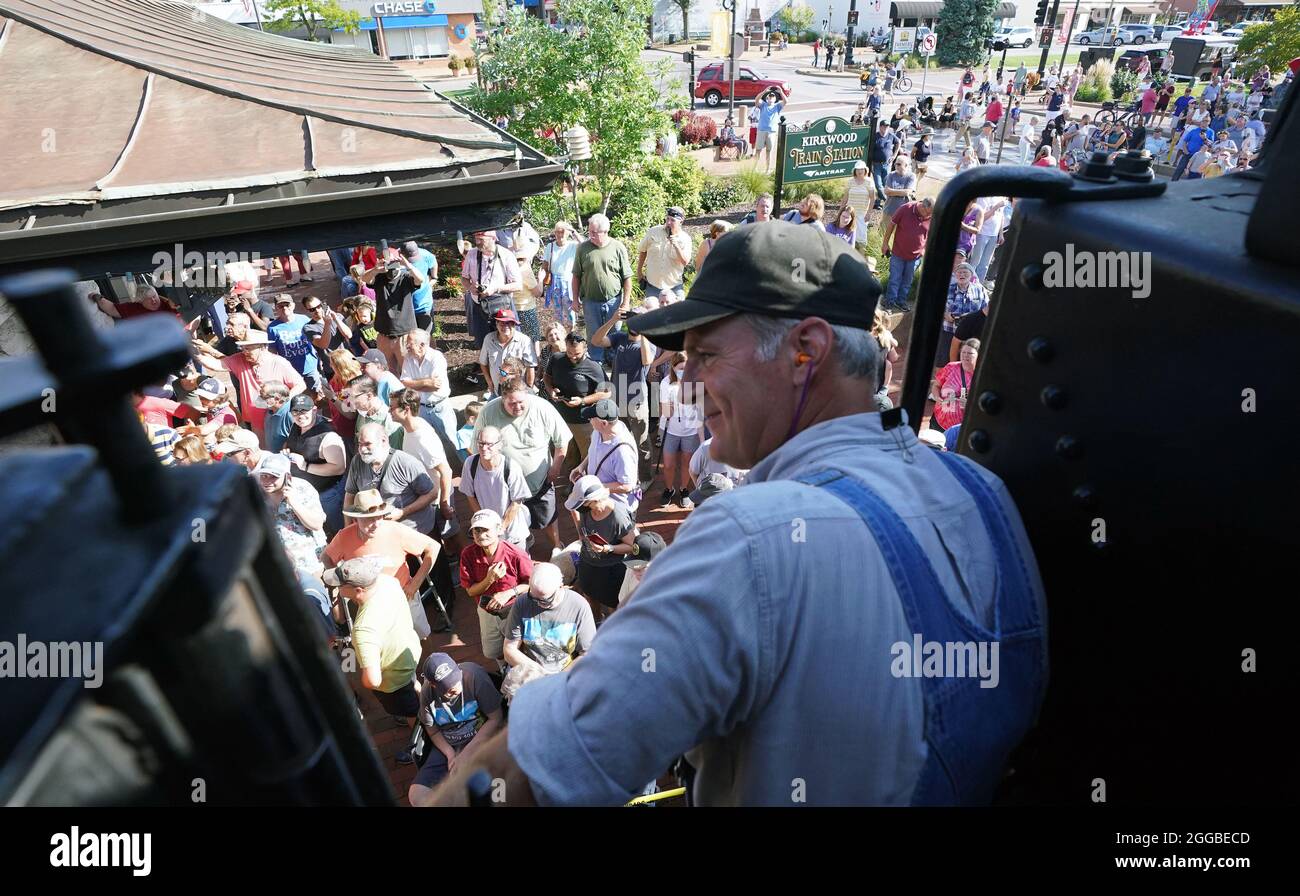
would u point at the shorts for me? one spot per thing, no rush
(681, 444)
(403, 702)
(492, 632)
(601, 583)
(434, 769)
(765, 140)
(424, 320)
(542, 508)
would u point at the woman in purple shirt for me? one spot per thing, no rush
(845, 224)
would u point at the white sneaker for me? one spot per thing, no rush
(307, 278)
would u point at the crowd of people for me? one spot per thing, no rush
(342, 411)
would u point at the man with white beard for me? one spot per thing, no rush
(399, 477)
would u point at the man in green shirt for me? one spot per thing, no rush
(534, 436)
(383, 635)
(602, 278)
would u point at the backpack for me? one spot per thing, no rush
(505, 468)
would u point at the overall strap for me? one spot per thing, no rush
(1018, 608)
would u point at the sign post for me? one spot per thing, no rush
(928, 43)
(779, 186)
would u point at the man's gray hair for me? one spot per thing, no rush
(599, 222)
(856, 350)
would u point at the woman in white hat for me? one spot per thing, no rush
(608, 533)
(861, 196)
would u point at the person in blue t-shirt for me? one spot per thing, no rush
(1192, 141)
(769, 116)
(422, 299)
(290, 342)
(882, 156)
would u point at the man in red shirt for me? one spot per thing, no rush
(904, 242)
(493, 572)
(150, 303)
(251, 369)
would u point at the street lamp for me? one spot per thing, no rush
(730, 6)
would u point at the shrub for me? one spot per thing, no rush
(719, 193)
(1123, 82)
(453, 64)
(1088, 93)
(637, 204)
(544, 209)
(589, 201)
(681, 115)
(471, 63)
(699, 130)
(1095, 87)
(754, 182)
(830, 190)
(681, 179)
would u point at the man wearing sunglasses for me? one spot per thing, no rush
(493, 572)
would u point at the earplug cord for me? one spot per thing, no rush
(803, 399)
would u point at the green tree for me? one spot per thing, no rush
(797, 19)
(594, 77)
(685, 6)
(964, 25)
(1274, 44)
(288, 15)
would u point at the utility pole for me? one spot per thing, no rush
(1049, 22)
(730, 6)
(853, 21)
(1069, 32)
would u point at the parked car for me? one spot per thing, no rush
(1141, 34)
(1129, 59)
(1169, 32)
(1015, 37)
(1106, 37)
(712, 85)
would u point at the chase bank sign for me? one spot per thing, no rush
(404, 8)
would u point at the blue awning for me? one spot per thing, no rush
(438, 21)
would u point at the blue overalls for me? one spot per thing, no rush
(969, 731)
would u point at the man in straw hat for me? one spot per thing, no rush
(372, 533)
(771, 665)
(251, 369)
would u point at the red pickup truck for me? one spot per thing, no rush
(712, 84)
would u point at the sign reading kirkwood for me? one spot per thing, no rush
(827, 149)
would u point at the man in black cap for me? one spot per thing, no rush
(460, 710)
(664, 254)
(319, 455)
(781, 620)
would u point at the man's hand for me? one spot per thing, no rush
(451, 756)
(495, 604)
(395, 514)
(573, 402)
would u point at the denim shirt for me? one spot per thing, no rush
(760, 641)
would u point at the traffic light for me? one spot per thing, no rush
(1040, 17)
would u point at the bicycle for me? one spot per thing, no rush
(902, 83)
(1110, 115)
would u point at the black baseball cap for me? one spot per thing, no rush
(301, 402)
(777, 269)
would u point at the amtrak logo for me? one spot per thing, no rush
(830, 126)
(441, 672)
